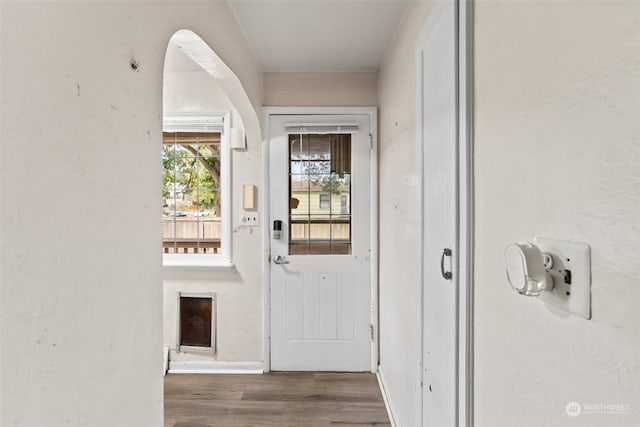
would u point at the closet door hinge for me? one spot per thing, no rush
(371, 332)
(371, 141)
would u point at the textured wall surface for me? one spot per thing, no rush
(557, 155)
(81, 275)
(327, 89)
(400, 307)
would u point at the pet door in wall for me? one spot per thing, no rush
(196, 322)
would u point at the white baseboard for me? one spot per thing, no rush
(388, 403)
(166, 360)
(214, 367)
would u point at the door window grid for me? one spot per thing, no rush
(320, 193)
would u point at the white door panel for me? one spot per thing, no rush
(320, 303)
(439, 138)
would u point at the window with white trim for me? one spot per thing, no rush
(195, 191)
(324, 201)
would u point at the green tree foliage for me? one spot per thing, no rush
(193, 170)
(319, 169)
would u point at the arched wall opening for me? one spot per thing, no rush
(209, 62)
(197, 82)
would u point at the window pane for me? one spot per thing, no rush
(210, 236)
(319, 147)
(299, 201)
(191, 191)
(209, 151)
(341, 236)
(299, 230)
(320, 228)
(299, 147)
(324, 201)
(168, 234)
(320, 248)
(341, 203)
(320, 235)
(299, 248)
(299, 235)
(320, 198)
(318, 193)
(299, 167)
(317, 167)
(186, 150)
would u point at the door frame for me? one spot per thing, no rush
(465, 195)
(372, 112)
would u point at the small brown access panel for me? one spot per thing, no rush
(195, 321)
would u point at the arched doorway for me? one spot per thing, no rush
(204, 102)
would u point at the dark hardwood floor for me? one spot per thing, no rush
(274, 399)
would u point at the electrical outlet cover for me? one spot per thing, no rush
(576, 258)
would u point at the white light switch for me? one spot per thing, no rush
(571, 272)
(249, 219)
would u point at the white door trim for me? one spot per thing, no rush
(465, 194)
(267, 112)
(467, 218)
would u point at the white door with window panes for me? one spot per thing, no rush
(320, 172)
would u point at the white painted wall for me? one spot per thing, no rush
(239, 291)
(80, 275)
(80, 299)
(557, 155)
(324, 89)
(557, 107)
(400, 316)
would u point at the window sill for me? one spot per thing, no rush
(192, 266)
(210, 267)
(191, 262)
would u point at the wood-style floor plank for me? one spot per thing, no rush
(274, 399)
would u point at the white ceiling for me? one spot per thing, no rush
(319, 35)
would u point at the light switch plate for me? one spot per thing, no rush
(574, 257)
(249, 219)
